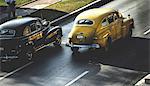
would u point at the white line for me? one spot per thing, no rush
(74, 11)
(8, 74)
(77, 78)
(146, 32)
(142, 81)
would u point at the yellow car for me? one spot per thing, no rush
(99, 28)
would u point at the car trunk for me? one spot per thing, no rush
(82, 35)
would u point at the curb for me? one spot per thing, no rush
(58, 20)
(21, 5)
(27, 3)
(94, 4)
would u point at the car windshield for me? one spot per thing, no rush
(85, 21)
(7, 32)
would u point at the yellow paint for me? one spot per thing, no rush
(52, 34)
(96, 33)
(36, 36)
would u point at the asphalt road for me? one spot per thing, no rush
(124, 65)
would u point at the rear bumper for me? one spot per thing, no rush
(84, 45)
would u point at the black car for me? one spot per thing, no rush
(21, 38)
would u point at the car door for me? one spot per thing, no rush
(117, 25)
(112, 26)
(102, 31)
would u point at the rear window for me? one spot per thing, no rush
(7, 32)
(85, 21)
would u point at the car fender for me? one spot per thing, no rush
(53, 31)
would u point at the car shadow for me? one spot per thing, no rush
(39, 57)
(131, 54)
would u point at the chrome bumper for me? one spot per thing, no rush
(84, 46)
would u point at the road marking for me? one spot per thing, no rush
(142, 81)
(77, 78)
(8, 74)
(146, 32)
(60, 18)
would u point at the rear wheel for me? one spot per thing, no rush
(129, 35)
(108, 45)
(74, 49)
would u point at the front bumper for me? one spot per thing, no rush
(8, 58)
(84, 45)
(8, 55)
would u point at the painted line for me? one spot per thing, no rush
(146, 32)
(8, 74)
(142, 81)
(75, 11)
(77, 78)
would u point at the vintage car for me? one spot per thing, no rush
(21, 38)
(99, 28)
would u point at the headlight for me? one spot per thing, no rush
(1, 48)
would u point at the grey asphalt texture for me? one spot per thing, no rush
(126, 63)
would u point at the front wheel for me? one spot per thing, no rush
(29, 55)
(26, 53)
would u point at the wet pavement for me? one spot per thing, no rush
(126, 63)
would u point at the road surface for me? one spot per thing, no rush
(127, 62)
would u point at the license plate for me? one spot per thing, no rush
(80, 37)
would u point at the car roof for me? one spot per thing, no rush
(95, 13)
(13, 24)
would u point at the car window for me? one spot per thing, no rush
(38, 25)
(33, 27)
(104, 22)
(7, 32)
(85, 21)
(110, 19)
(116, 16)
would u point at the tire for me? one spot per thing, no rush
(57, 42)
(108, 45)
(26, 53)
(74, 49)
(129, 35)
(29, 55)
(5, 66)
